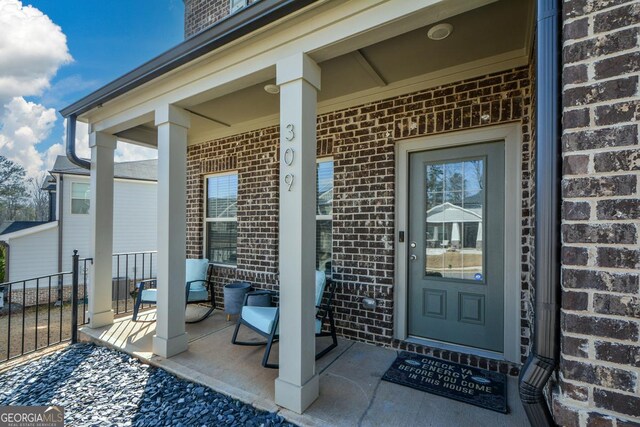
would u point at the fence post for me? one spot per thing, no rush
(74, 298)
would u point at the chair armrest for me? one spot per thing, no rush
(257, 293)
(141, 283)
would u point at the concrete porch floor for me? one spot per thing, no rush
(351, 390)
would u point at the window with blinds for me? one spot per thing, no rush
(221, 220)
(324, 214)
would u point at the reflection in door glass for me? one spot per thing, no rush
(454, 214)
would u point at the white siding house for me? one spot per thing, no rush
(43, 249)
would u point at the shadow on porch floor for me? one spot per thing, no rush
(351, 392)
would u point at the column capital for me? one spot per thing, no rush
(296, 67)
(102, 139)
(174, 115)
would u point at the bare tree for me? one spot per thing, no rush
(39, 198)
(13, 190)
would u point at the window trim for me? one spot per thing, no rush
(71, 198)
(237, 8)
(206, 220)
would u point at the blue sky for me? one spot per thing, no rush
(104, 38)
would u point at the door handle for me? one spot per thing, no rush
(413, 257)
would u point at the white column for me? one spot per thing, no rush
(172, 123)
(455, 235)
(101, 213)
(299, 79)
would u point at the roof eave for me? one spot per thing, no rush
(226, 30)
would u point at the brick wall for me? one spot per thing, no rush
(201, 14)
(600, 360)
(362, 142)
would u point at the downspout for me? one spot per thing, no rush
(71, 144)
(60, 217)
(544, 355)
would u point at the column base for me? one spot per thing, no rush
(168, 347)
(97, 320)
(297, 398)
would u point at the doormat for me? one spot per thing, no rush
(464, 383)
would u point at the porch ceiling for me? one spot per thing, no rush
(496, 29)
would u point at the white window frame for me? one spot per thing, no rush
(71, 198)
(236, 5)
(327, 217)
(205, 251)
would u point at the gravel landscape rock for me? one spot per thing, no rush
(98, 386)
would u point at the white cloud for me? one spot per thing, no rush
(24, 125)
(130, 152)
(124, 152)
(32, 48)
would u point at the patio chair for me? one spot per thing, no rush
(265, 320)
(198, 288)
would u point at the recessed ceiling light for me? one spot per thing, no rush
(272, 89)
(440, 31)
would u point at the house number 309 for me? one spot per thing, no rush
(289, 155)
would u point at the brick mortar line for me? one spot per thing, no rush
(607, 316)
(601, 269)
(594, 81)
(606, 150)
(601, 387)
(603, 174)
(603, 363)
(607, 102)
(602, 244)
(592, 60)
(592, 338)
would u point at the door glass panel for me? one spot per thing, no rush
(454, 215)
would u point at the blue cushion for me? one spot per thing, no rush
(150, 295)
(321, 281)
(262, 318)
(196, 269)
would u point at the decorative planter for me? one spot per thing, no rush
(234, 296)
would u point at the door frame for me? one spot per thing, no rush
(512, 135)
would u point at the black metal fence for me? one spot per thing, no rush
(129, 268)
(43, 311)
(39, 312)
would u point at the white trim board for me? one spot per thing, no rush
(511, 135)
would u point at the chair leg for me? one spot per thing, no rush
(267, 352)
(204, 316)
(234, 338)
(136, 308)
(332, 334)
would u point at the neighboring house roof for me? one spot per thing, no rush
(49, 184)
(448, 212)
(226, 30)
(143, 170)
(38, 226)
(7, 227)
